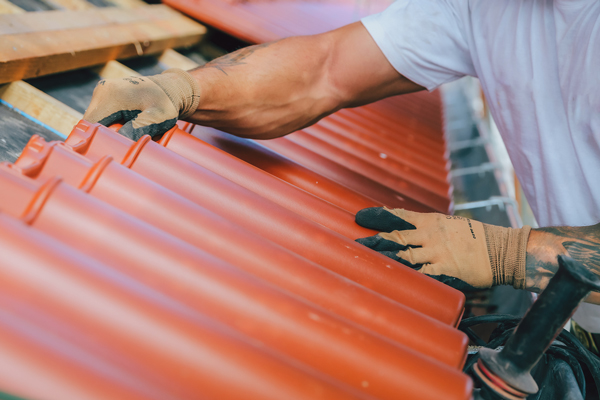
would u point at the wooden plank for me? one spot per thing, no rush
(114, 69)
(152, 65)
(72, 4)
(101, 3)
(16, 130)
(147, 65)
(172, 59)
(33, 5)
(31, 52)
(73, 88)
(40, 106)
(6, 7)
(56, 20)
(128, 3)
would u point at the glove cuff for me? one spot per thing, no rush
(181, 88)
(507, 249)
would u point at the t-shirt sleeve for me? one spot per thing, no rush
(424, 40)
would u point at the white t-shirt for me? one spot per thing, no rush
(539, 66)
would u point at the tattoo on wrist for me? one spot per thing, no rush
(233, 59)
(580, 243)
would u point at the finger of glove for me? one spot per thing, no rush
(94, 113)
(120, 100)
(433, 272)
(394, 256)
(406, 238)
(412, 217)
(436, 271)
(118, 116)
(379, 243)
(147, 123)
(416, 255)
(103, 109)
(381, 219)
(107, 114)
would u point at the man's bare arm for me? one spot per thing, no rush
(545, 244)
(262, 91)
(269, 90)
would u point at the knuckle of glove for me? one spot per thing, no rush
(408, 258)
(130, 96)
(135, 90)
(433, 221)
(394, 236)
(108, 87)
(156, 116)
(407, 255)
(434, 269)
(382, 219)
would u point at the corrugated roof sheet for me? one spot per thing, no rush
(217, 251)
(209, 266)
(258, 21)
(408, 152)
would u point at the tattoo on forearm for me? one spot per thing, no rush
(580, 243)
(233, 59)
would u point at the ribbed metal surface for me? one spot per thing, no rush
(257, 21)
(205, 266)
(193, 279)
(397, 143)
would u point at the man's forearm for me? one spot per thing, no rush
(272, 89)
(545, 244)
(264, 90)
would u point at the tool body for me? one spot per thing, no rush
(506, 374)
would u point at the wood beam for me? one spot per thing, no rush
(43, 107)
(40, 106)
(172, 59)
(114, 69)
(32, 101)
(69, 20)
(72, 4)
(6, 7)
(128, 3)
(36, 44)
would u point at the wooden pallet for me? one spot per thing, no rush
(51, 59)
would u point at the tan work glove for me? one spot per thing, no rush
(148, 105)
(460, 252)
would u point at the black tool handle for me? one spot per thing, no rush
(542, 323)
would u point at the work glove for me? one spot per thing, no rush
(457, 251)
(149, 105)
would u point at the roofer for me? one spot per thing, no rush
(538, 62)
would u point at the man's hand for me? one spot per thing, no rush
(260, 92)
(145, 105)
(545, 244)
(460, 252)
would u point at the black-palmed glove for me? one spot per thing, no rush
(460, 252)
(148, 105)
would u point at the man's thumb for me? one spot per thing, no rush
(380, 219)
(146, 124)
